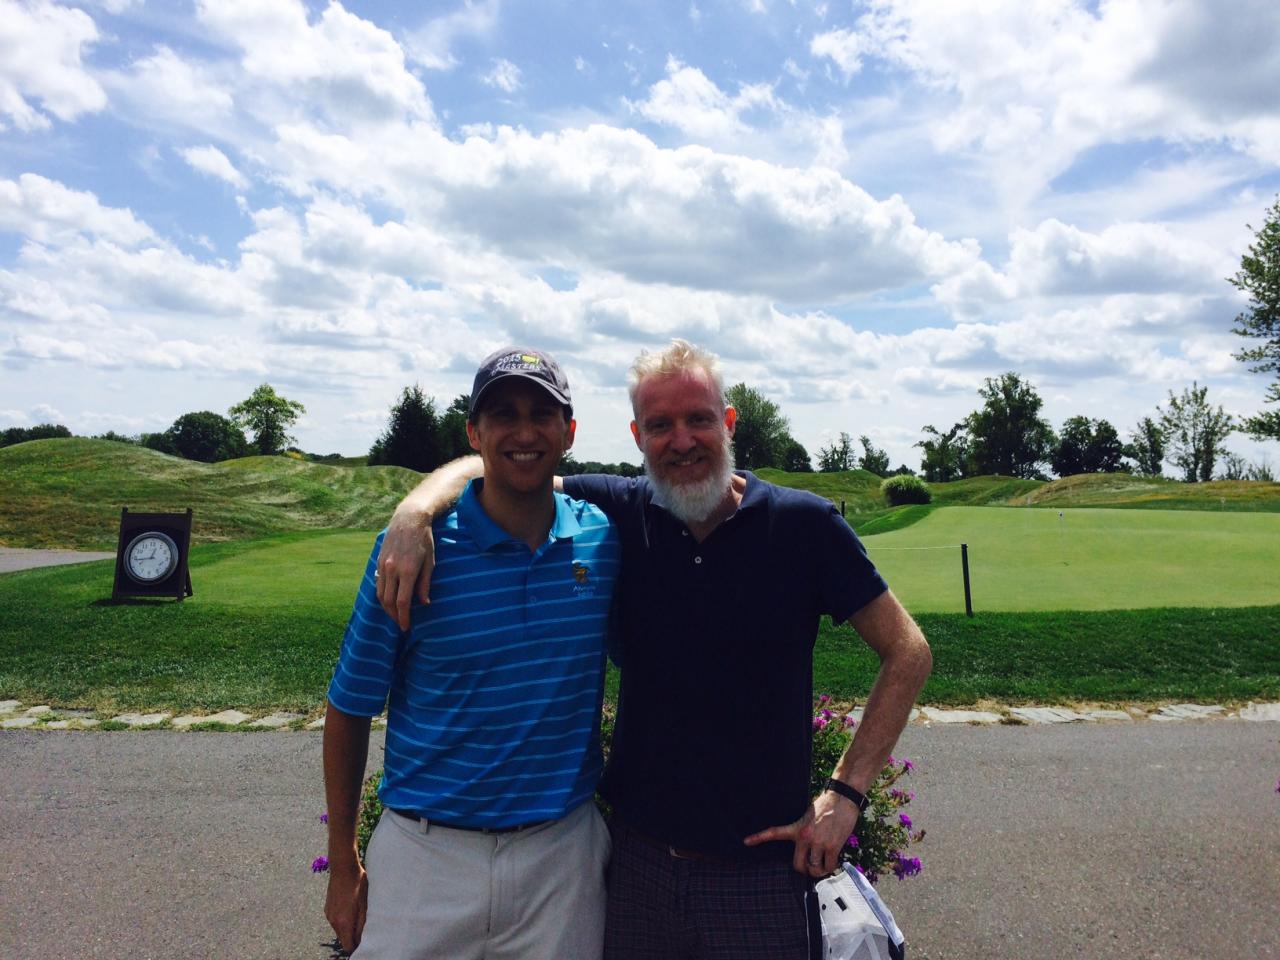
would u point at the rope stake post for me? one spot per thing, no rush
(964, 563)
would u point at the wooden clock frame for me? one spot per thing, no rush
(176, 526)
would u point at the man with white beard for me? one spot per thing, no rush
(716, 841)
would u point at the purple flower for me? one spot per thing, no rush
(827, 714)
(1278, 786)
(853, 840)
(858, 867)
(897, 794)
(904, 867)
(324, 818)
(825, 698)
(904, 820)
(319, 864)
(849, 722)
(907, 766)
(819, 722)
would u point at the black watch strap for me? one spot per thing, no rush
(846, 791)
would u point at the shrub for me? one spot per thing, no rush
(904, 489)
(880, 840)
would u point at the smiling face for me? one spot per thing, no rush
(520, 432)
(683, 429)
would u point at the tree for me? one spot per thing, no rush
(116, 437)
(1007, 435)
(761, 432)
(204, 436)
(1235, 467)
(41, 431)
(1194, 432)
(1087, 446)
(945, 455)
(569, 467)
(453, 430)
(1146, 447)
(837, 455)
(412, 436)
(873, 459)
(1259, 277)
(795, 458)
(267, 416)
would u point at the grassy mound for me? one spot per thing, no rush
(1153, 493)
(68, 493)
(865, 506)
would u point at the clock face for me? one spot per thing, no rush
(151, 557)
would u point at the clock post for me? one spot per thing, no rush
(152, 554)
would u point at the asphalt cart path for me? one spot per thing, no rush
(1141, 840)
(21, 558)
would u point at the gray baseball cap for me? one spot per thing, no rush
(533, 365)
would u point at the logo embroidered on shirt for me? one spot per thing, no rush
(582, 587)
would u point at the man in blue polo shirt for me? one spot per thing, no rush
(725, 578)
(490, 846)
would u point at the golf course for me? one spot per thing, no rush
(1100, 589)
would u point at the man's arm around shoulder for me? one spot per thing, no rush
(346, 748)
(408, 549)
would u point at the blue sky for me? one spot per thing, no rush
(864, 208)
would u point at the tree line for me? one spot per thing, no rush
(203, 435)
(420, 438)
(1005, 436)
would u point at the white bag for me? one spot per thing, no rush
(856, 925)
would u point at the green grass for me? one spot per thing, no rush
(68, 493)
(262, 631)
(1085, 559)
(264, 627)
(1109, 656)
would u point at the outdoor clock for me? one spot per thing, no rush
(151, 555)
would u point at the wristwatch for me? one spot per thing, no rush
(859, 799)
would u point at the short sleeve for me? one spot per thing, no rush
(370, 646)
(610, 493)
(847, 578)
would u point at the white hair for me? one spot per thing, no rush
(680, 356)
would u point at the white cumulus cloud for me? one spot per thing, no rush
(504, 75)
(41, 45)
(214, 162)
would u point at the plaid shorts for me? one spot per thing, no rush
(663, 907)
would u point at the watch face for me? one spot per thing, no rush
(151, 557)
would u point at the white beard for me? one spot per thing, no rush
(693, 503)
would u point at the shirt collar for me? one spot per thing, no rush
(486, 534)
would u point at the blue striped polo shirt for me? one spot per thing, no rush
(493, 693)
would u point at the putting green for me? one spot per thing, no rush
(1082, 559)
(317, 574)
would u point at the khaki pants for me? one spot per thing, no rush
(435, 892)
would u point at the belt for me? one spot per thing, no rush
(410, 815)
(681, 853)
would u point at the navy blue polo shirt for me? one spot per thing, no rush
(715, 641)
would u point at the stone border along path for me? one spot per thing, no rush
(13, 715)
